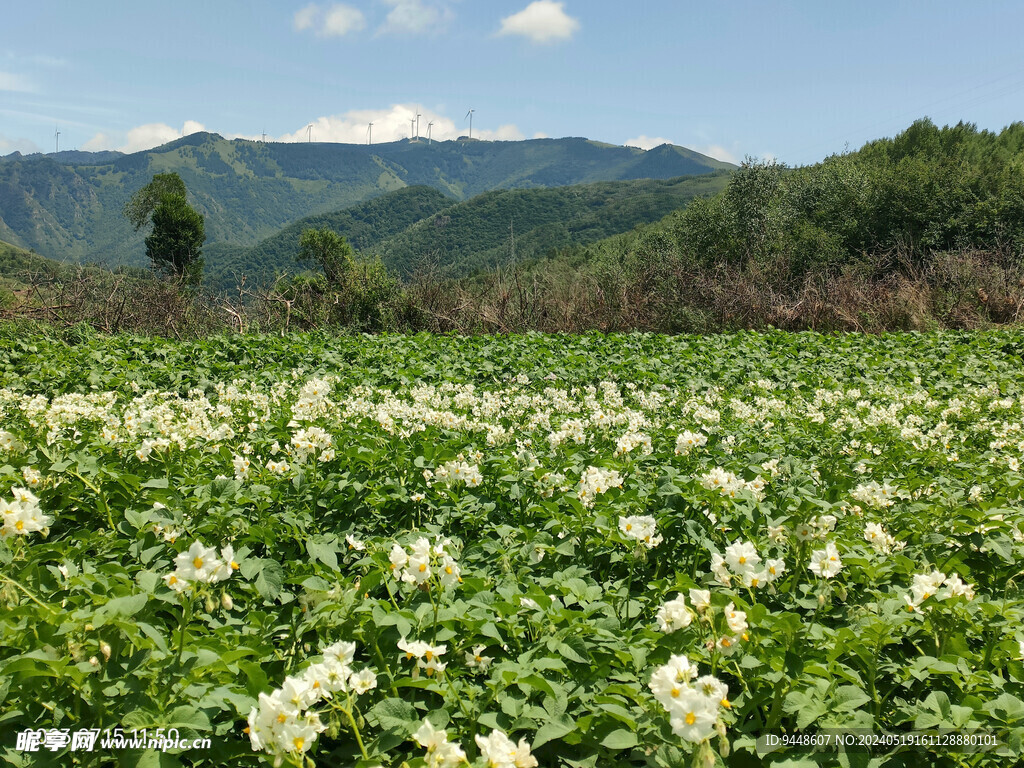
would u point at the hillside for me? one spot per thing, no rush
(418, 223)
(68, 206)
(514, 225)
(363, 225)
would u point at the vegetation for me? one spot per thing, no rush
(68, 207)
(594, 550)
(363, 226)
(174, 246)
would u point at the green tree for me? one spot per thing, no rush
(144, 202)
(175, 245)
(176, 242)
(328, 249)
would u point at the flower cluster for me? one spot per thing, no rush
(742, 561)
(23, 515)
(674, 615)
(641, 528)
(687, 441)
(441, 753)
(938, 585)
(728, 484)
(693, 703)
(453, 472)
(312, 441)
(874, 495)
(880, 539)
(422, 560)
(501, 752)
(200, 563)
(594, 482)
(428, 657)
(282, 725)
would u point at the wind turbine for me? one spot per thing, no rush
(470, 116)
(428, 130)
(369, 133)
(418, 116)
(412, 124)
(309, 133)
(264, 135)
(56, 137)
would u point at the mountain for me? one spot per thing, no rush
(417, 223)
(364, 225)
(68, 206)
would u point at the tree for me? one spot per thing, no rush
(328, 249)
(175, 245)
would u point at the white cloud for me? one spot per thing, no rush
(141, 137)
(98, 143)
(718, 152)
(12, 82)
(541, 135)
(646, 142)
(543, 21)
(334, 21)
(305, 17)
(413, 17)
(393, 124)
(17, 144)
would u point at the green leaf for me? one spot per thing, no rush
(270, 580)
(620, 739)
(555, 728)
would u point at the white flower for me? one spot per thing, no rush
(641, 528)
(362, 681)
(774, 569)
(737, 620)
(501, 752)
(476, 660)
(701, 599)
(741, 557)
(440, 752)
(674, 615)
(825, 563)
(354, 543)
(198, 563)
(693, 717)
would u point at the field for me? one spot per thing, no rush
(512, 551)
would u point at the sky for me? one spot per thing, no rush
(792, 81)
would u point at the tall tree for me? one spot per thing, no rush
(175, 245)
(328, 249)
(176, 242)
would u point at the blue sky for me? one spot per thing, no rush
(797, 81)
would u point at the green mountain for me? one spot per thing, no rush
(363, 225)
(515, 225)
(417, 223)
(68, 206)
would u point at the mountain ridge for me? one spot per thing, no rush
(248, 190)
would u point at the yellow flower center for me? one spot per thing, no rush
(448, 570)
(423, 567)
(20, 525)
(675, 693)
(690, 718)
(197, 563)
(282, 718)
(299, 743)
(743, 560)
(629, 526)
